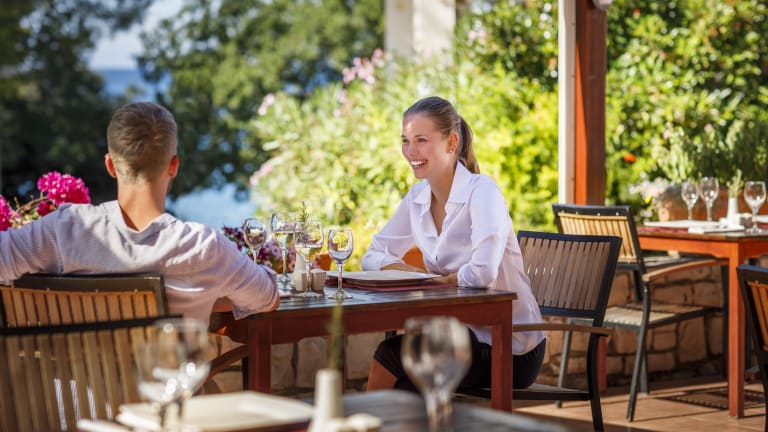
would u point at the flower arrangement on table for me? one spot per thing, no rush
(270, 254)
(55, 189)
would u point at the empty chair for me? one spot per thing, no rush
(643, 313)
(753, 282)
(570, 276)
(53, 376)
(47, 299)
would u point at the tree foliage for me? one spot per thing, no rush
(224, 57)
(53, 110)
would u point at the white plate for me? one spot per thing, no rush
(384, 277)
(683, 224)
(228, 411)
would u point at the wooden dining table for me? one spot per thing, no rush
(376, 311)
(736, 247)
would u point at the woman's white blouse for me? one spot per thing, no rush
(477, 241)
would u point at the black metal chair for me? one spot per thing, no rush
(643, 313)
(753, 282)
(571, 278)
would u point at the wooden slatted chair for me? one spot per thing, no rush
(570, 277)
(47, 299)
(52, 376)
(52, 299)
(753, 282)
(643, 313)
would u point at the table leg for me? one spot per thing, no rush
(260, 356)
(735, 342)
(501, 363)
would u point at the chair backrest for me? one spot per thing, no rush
(53, 376)
(603, 220)
(753, 281)
(570, 275)
(46, 299)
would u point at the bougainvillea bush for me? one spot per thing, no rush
(54, 189)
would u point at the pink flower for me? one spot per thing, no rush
(6, 215)
(63, 188)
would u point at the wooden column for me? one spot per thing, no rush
(589, 142)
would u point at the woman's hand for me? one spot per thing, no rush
(450, 278)
(403, 267)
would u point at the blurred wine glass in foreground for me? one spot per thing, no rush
(173, 364)
(436, 355)
(690, 194)
(754, 195)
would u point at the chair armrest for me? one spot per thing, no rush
(546, 326)
(655, 274)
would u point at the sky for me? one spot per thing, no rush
(118, 51)
(212, 207)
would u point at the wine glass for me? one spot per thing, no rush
(754, 195)
(690, 194)
(283, 225)
(340, 244)
(254, 235)
(436, 355)
(174, 363)
(309, 241)
(709, 189)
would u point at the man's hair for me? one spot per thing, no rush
(141, 138)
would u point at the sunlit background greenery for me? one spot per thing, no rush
(258, 91)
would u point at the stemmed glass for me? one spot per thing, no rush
(283, 225)
(690, 194)
(254, 235)
(709, 189)
(340, 244)
(436, 354)
(309, 241)
(754, 195)
(174, 363)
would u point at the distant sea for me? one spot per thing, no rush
(209, 206)
(119, 81)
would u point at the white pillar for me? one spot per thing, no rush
(566, 83)
(419, 27)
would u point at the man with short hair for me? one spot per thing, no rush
(134, 233)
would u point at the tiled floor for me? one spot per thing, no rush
(691, 406)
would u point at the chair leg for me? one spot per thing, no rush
(637, 371)
(563, 363)
(593, 383)
(244, 365)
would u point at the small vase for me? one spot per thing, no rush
(328, 404)
(732, 216)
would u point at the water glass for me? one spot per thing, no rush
(754, 195)
(309, 242)
(709, 189)
(436, 355)
(340, 244)
(282, 226)
(690, 194)
(254, 235)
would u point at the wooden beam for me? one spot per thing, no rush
(589, 142)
